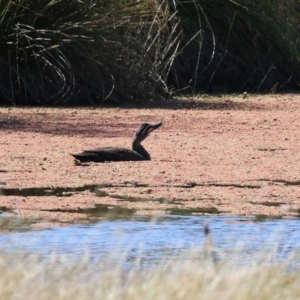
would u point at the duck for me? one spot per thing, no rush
(109, 154)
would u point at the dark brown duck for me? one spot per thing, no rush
(138, 152)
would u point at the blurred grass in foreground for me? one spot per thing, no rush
(188, 277)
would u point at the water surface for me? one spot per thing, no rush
(167, 236)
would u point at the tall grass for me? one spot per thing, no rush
(241, 45)
(36, 38)
(84, 52)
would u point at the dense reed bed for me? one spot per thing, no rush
(87, 52)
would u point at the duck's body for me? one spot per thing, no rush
(138, 152)
(108, 154)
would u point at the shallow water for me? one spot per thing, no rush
(151, 241)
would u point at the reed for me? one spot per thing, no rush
(239, 45)
(82, 52)
(86, 52)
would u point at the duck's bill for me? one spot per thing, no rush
(157, 125)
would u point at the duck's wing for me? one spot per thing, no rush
(107, 154)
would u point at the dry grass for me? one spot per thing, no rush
(189, 277)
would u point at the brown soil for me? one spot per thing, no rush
(224, 155)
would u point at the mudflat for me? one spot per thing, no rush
(213, 155)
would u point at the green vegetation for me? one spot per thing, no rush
(55, 52)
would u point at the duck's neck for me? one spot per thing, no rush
(137, 147)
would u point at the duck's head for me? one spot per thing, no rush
(144, 130)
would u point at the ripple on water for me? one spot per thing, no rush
(168, 235)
